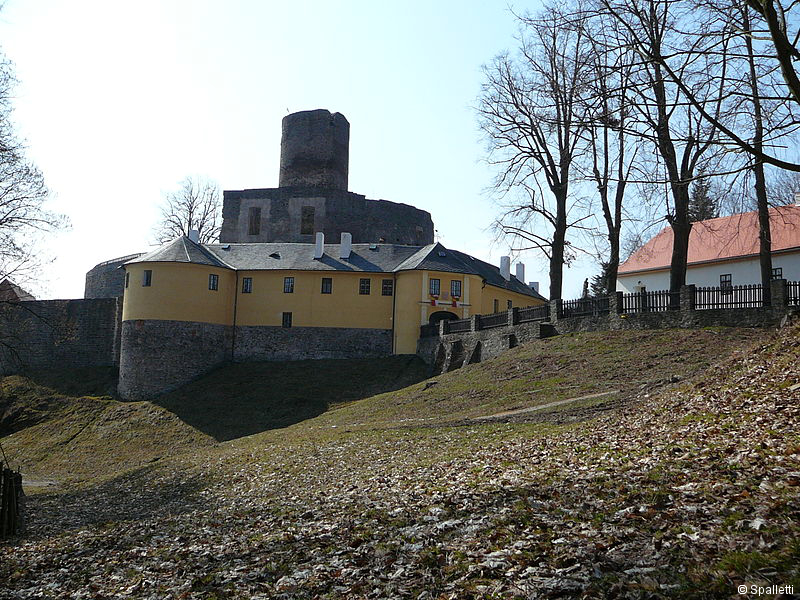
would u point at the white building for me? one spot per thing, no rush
(722, 251)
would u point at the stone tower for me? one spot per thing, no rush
(314, 150)
(312, 194)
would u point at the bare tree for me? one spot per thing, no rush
(531, 114)
(195, 206)
(611, 157)
(24, 217)
(681, 137)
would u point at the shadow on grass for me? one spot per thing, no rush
(242, 399)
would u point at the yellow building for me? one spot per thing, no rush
(188, 307)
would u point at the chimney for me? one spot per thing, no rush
(505, 267)
(346, 246)
(521, 272)
(194, 236)
(534, 285)
(319, 246)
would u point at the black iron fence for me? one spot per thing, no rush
(730, 296)
(599, 305)
(793, 293)
(498, 319)
(534, 313)
(650, 301)
(459, 325)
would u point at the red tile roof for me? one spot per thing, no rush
(725, 238)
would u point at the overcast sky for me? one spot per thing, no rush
(118, 102)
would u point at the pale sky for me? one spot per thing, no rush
(118, 102)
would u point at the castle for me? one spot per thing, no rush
(273, 289)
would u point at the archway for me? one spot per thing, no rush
(442, 315)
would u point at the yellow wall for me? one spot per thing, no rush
(343, 307)
(179, 292)
(414, 302)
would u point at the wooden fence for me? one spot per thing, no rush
(10, 502)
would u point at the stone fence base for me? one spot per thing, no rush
(449, 351)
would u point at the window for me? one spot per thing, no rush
(496, 305)
(455, 288)
(777, 273)
(435, 286)
(127, 279)
(387, 287)
(247, 285)
(287, 320)
(307, 220)
(363, 287)
(726, 283)
(147, 278)
(509, 304)
(288, 285)
(254, 225)
(327, 285)
(213, 282)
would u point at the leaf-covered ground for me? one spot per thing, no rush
(684, 490)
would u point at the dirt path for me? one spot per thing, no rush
(530, 409)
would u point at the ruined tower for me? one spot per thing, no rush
(312, 194)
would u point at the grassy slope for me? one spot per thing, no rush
(685, 494)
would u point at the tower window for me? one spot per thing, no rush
(213, 282)
(307, 220)
(363, 287)
(147, 278)
(387, 287)
(254, 224)
(247, 285)
(127, 279)
(327, 285)
(435, 286)
(455, 288)
(288, 285)
(286, 320)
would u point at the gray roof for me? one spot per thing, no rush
(364, 258)
(182, 250)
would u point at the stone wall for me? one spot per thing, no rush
(335, 212)
(448, 351)
(59, 334)
(303, 343)
(159, 356)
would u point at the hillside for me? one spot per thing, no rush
(685, 483)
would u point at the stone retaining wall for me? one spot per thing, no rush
(42, 334)
(303, 343)
(449, 351)
(159, 356)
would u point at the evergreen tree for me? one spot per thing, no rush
(703, 204)
(599, 282)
